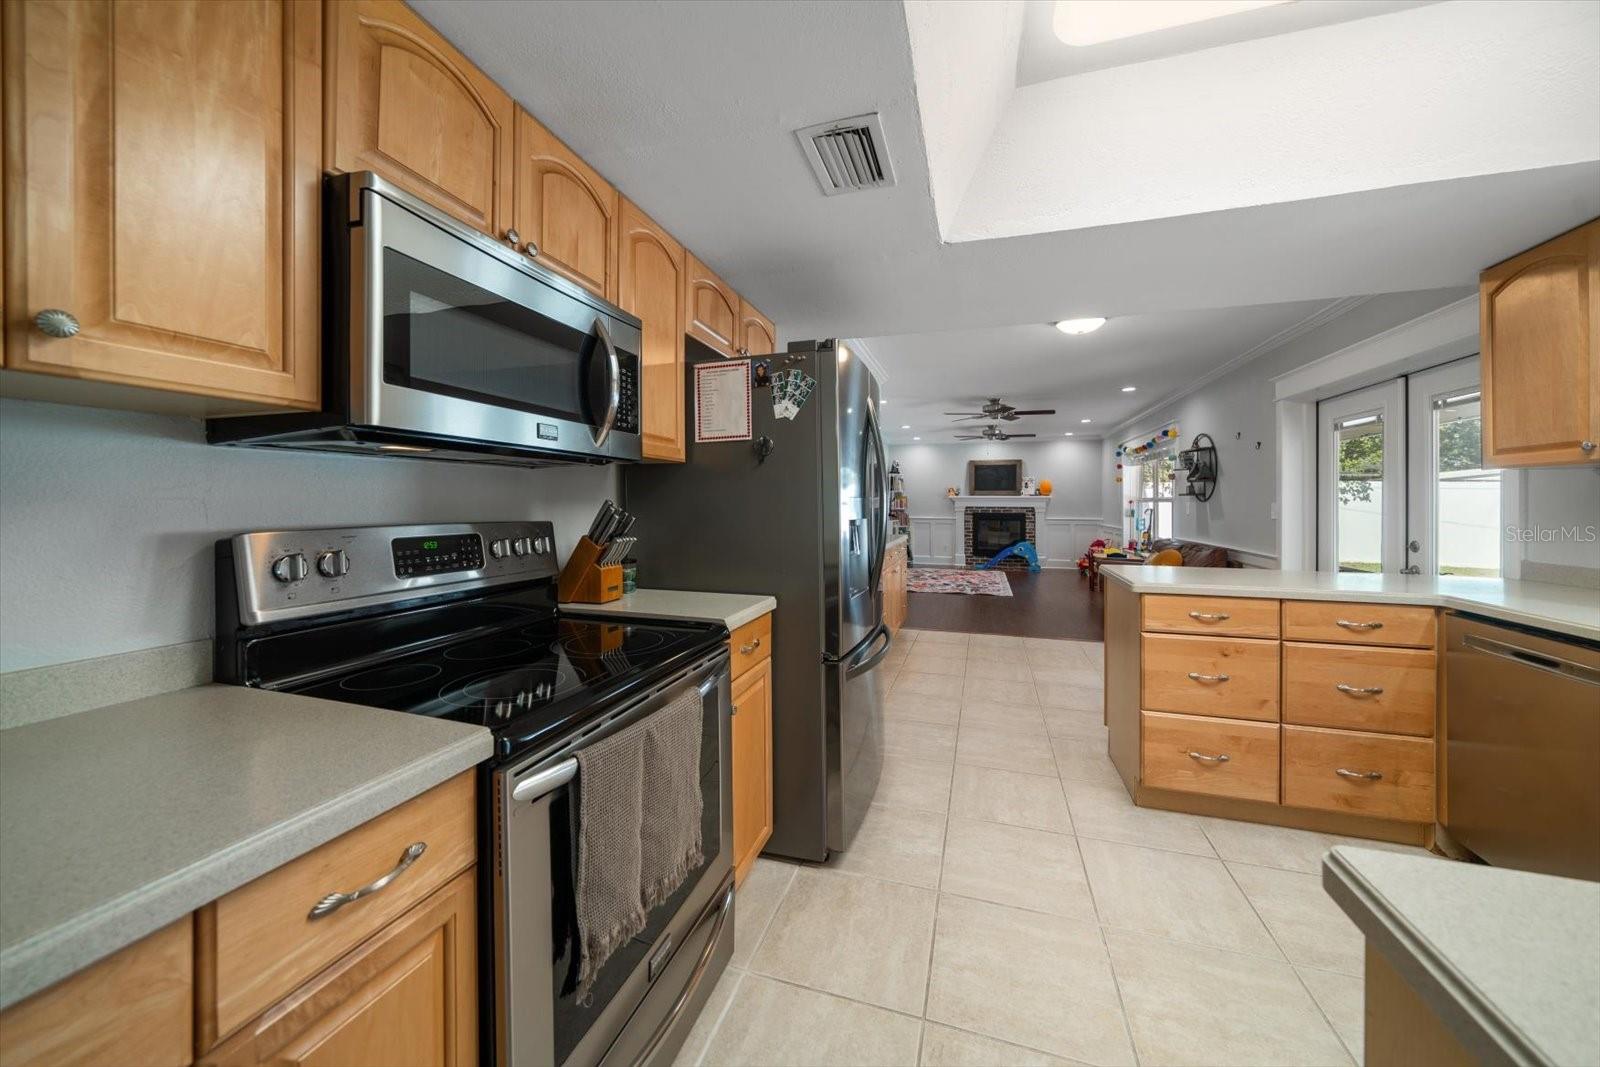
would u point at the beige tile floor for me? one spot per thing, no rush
(1005, 903)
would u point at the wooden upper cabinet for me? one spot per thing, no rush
(652, 284)
(1540, 346)
(409, 107)
(164, 166)
(757, 335)
(564, 210)
(713, 309)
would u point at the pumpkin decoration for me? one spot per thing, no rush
(1044, 487)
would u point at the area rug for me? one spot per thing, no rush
(981, 583)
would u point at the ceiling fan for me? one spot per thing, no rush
(995, 408)
(992, 432)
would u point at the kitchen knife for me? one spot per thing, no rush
(628, 519)
(599, 521)
(608, 529)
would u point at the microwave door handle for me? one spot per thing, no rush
(613, 382)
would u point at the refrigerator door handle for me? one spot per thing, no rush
(880, 541)
(862, 666)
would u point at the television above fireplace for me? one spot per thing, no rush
(994, 477)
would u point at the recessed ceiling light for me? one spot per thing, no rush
(916, 438)
(1085, 420)
(1129, 388)
(1067, 434)
(907, 426)
(1077, 326)
(1086, 22)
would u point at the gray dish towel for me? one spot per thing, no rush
(638, 827)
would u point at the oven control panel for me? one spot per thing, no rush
(289, 574)
(438, 554)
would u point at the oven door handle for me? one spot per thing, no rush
(613, 383)
(689, 987)
(548, 780)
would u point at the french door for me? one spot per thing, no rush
(1401, 487)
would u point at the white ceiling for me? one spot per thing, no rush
(1043, 56)
(689, 106)
(1037, 366)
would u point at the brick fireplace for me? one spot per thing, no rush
(986, 531)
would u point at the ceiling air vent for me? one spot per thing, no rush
(848, 155)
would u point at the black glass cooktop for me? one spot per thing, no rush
(526, 674)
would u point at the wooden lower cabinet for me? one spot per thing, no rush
(1234, 678)
(134, 1008)
(895, 603)
(406, 997)
(752, 760)
(1222, 757)
(1380, 775)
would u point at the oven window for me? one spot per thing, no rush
(445, 335)
(574, 1019)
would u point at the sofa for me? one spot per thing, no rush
(1195, 553)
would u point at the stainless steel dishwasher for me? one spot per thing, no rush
(1522, 728)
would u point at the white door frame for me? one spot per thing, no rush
(1388, 402)
(1422, 477)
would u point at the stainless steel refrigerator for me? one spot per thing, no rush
(800, 512)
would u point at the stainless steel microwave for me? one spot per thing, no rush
(442, 343)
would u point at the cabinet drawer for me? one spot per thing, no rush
(750, 644)
(1402, 789)
(1358, 624)
(1386, 690)
(1210, 676)
(1225, 615)
(1222, 757)
(259, 942)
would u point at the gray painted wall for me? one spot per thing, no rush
(1072, 465)
(1238, 410)
(107, 519)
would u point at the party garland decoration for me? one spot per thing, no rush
(1162, 436)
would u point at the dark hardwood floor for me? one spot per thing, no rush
(1053, 603)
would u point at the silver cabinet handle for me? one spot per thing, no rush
(1210, 616)
(1366, 776)
(513, 238)
(1359, 690)
(1220, 757)
(1587, 446)
(745, 650)
(1195, 676)
(532, 249)
(334, 901)
(733, 710)
(1349, 625)
(53, 322)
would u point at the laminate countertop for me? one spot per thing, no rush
(1560, 608)
(118, 821)
(733, 610)
(1509, 961)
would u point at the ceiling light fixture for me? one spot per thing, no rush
(1085, 420)
(1080, 326)
(1129, 388)
(916, 438)
(1087, 22)
(907, 426)
(1067, 434)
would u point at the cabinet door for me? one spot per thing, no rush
(652, 284)
(752, 766)
(713, 309)
(564, 209)
(169, 199)
(409, 107)
(406, 997)
(1540, 347)
(757, 335)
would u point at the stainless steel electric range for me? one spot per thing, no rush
(459, 621)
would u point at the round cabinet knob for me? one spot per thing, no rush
(500, 549)
(513, 238)
(1587, 446)
(290, 568)
(333, 564)
(531, 248)
(53, 322)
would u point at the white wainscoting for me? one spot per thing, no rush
(937, 540)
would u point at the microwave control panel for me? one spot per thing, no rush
(627, 394)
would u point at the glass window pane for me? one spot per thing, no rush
(1467, 504)
(1163, 519)
(1360, 496)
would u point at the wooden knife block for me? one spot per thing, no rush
(584, 581)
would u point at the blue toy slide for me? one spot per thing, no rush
(1021, 548)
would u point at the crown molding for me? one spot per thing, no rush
(1321, 317)
(864, 352)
